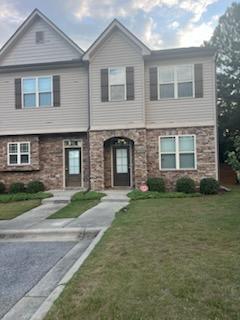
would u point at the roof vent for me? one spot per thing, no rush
(39, 37)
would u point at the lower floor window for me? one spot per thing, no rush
(19, 153)
(177, 152)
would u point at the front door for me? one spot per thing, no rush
(121, 166)
(73, 174)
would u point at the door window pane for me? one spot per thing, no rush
(187, 161)
(186, 143)
(117, 93)
(122, 160)
(168, 161)
(74, 161)
(168, 144)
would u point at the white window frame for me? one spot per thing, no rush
(37, 92)
(19, 153)
(177, 152)
(109, 84)
(175, 81)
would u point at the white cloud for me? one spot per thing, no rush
(150, 37)
(8, 13)
(196, 7)
(194, 35)
(174, 25)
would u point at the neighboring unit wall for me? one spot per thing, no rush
(205, 148)
(117, 51)
(27, 51)
(71, 116)
(183, 111)
(47, 160)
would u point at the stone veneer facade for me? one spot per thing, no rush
(47, 160)
(47, 157)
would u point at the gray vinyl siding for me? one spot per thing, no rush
(26, 50)
(117, 51)
(183, 111)
(72, 115)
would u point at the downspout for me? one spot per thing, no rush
(88, 133)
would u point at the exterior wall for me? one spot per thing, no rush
(184, 111)
(47, 160)
(96, 145)
(27, 51)
(71, 116)
(117, 50)
(205, 145)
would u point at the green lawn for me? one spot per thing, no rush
(74, 209)
(81, 201)
(162, 259)
(11, 210)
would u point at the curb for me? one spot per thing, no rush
(48, 302)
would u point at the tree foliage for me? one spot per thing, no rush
(226, 41)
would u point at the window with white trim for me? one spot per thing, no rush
(175, 81)
(37, 92)
(177, 152)
(117, 83)
(19, 153)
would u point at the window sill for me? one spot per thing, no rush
(178, 170)
(20, 168)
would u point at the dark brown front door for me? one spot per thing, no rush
(73, 174)
(121, 166)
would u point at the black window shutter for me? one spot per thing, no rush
(56, 91)
(153, 75)
(198, 74)
(104, 85)
(130, 83)
(18, 93)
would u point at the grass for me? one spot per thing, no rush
(80, 202)
(74, 209)
(162, 259)
(139, 195)
(11, 210)
(9, 197)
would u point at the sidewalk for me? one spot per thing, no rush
(100, 216)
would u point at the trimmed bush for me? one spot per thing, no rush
(139, 195)
(209, 186)
(2, 187)
(17, 187)
(186, 185)
(156, 184)
(9, 197)
(89, 195)
(35, 186)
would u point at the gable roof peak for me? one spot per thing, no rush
(116, 23)
(36, 12)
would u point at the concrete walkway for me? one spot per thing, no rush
(98, 217)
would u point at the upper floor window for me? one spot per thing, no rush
(177, 152)
(19, 153)
(175, 81)
(117, 83)
(37, 92)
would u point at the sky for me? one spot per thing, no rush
(160, 24)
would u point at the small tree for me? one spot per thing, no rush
(233, 157)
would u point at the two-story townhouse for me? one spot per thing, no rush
(107, 117)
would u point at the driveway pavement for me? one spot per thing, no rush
(23, 264)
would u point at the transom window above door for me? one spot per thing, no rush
(37, 92)
(175, 81)
(117, 83)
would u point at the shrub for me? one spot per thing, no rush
(9, 197)
(17, 187)
(35, 186)
(139, 195)
(2, 187)
(186, 185)
(87, 195)
(156, 184)
(209, 186)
